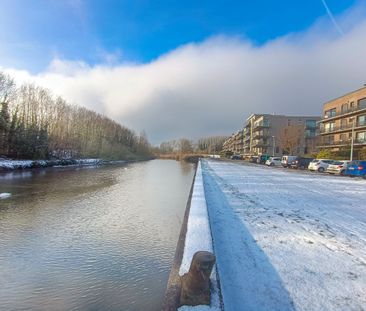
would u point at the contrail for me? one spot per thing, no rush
(332, 18)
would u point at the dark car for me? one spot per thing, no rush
(262, 158)
(356, 168)
(236, 157)
(301, 163)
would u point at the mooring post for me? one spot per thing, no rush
(195, 288)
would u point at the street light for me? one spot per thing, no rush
(352, 138)
(273, 146)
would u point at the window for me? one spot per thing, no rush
(309, 133)
(343, 137)
(361, 120)
(329, 140)
(344, 123)
(310, 123)
(330, 113)
(362, 103)
(361, 137)
(344, 108)
(329, 127)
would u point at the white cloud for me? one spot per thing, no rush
(211, 87)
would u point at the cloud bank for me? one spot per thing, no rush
(210, 88)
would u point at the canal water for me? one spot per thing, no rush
(92, 238)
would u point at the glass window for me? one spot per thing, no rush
(310, 123)
(330, 113)
(361, 137)
(344, 123)
(362, 103)
(344, 108)
(361, 120)
(329, 126)
(309, 133)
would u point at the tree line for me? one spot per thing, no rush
(205, 145)
(34, 124)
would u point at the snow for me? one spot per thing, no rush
(5, 195)
(6, 164)
(198, 238)
(286, 240)
(12, 164)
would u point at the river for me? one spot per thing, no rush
(91, 238)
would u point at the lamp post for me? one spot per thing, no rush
(273, 146)
(352, 138)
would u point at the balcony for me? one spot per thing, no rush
(260, 143)
(344, 113)
(344, 142)
(343, 128)
(258, 135)
(262, 124)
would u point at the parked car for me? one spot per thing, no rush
(273, 161)
(301, 163)
(287, 159)
(262, 158)
(338, 167)
(319, 165)
(356, 168)
(236, 157)
(253, 159)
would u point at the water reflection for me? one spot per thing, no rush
(92, 239)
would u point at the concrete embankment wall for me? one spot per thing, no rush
(195, 236)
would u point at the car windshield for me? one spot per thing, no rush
(338, 163)
(315, 161)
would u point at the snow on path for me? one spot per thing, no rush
(198, 238)
(287, 241)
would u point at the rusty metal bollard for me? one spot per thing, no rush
(196, 283)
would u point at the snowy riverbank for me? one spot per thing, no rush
(286, 241)
(7, 165)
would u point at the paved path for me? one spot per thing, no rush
(287, 241)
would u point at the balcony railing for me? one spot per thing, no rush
(342, 142)
(260, 143)
(260, 135)
(261, 124)
(343, 112)
(342, 127)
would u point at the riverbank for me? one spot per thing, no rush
(9, 165)
(195, 236)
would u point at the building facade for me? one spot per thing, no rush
(344, 120)
(234, 144)
(279, 134)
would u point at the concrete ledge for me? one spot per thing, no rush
(195, 236)
(172, 293)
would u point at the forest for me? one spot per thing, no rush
(35, 124)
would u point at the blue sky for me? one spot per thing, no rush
(32, 33)
(187, 68)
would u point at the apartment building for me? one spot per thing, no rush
(234, 143)
(279, 134)
(344, 118)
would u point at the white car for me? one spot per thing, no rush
(273, 161)
(338, 167)
(320, 165)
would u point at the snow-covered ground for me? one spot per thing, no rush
(5, 195)
(198, 238)
(6, 164)
(286, 240)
